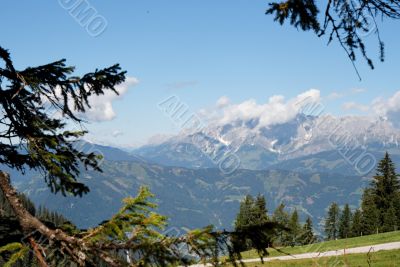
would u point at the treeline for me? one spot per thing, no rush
(253, 211)
(42, 213)
(10, 231)
(9, 227)
(379, 211)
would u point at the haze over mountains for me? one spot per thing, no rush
(306, 162)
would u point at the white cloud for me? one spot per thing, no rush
(223, 102)
(275, 111)
(389, 108)
(355, 106)
(102, 105)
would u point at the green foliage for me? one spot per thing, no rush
(134, 218)
(55, 218)
(390, 220)
(253, 229)
(385, 184)
(282, 217)
(307, 235)
(14, 253)
(356, 224)
(294, 229)
(370, 213)
(246, 214)
(340, 244)
(345, 222)
(380, 202)
(17, 253)
(372, 259)
(302, 14)
(30, 137)
(332, 222)
(380, 206)
(261, 211)
(349, 22)
(136, 229)
(6, 210)
(42, 213)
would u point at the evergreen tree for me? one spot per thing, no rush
(252, 220)
(347, 22)
(332, 222)
(386, 188)
(356, 225)
(261, 210)
(390, 220)
(281, 217)
(307, 234)
(294, 229)
(345, 222)
(6, 210)
(48, 216)
(370, 213)
(32, 138)
(245, 218)
(246, 215)
(381, 200)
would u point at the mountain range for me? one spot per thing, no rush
(306, 163)
(348, 142)
(194, 197)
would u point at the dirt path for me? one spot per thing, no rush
(331, 253)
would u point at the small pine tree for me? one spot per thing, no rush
(307, 235)
(389, 220)
(294, 229)
(385, 187)
(282, 217)
(370, 213)
(6, 210)
(245, 216)
(332, 222)
(356, 225)
(253, 218)
(261, 211)
(345, 222)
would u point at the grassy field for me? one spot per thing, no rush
(332, 245)
(378, 259)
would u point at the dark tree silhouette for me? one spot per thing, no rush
(332, 222)
(346, 21)
(345, 222)
(30, 137)
(307, 237)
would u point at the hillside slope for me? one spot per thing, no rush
(194, 198)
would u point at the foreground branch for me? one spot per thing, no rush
(132, 237)
(75, 247)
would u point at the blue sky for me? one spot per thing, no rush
(199, 51)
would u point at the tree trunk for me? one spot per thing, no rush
(76, 248)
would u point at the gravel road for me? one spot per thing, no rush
(331, 253)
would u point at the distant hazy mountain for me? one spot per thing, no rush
(307, 163)
(193, 197)
(341, 139)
